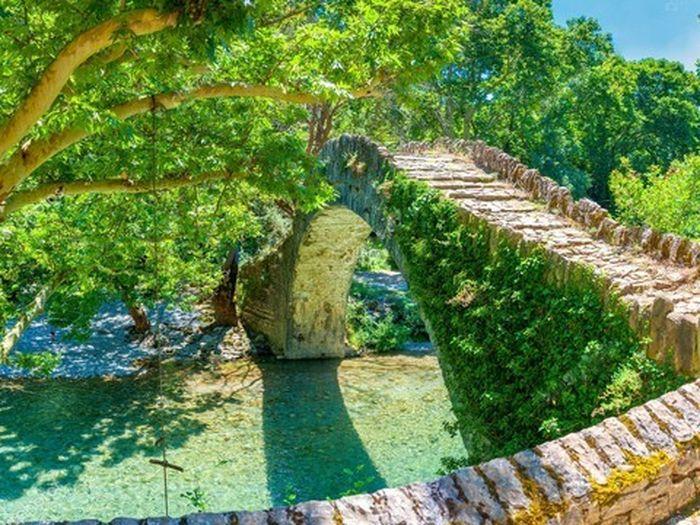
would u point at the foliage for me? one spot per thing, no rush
(197, 498)
(525, 359)
(381, 318)
(381, 333)
(40, 364)
(374, 257)
(559, 98)
(665, 201)
(290, 496)
(647, 112)
(138, 249)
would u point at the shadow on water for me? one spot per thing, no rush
(312, 449)
(50, 430)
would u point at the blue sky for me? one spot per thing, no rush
(643, 28)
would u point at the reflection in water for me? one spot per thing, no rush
(249, 435)
(312, 449)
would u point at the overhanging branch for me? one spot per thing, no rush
(22, 163)
(121, 185)
(33, 310)
(81, 48)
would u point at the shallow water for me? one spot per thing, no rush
(248, 434)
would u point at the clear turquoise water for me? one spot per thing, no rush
(249, 435)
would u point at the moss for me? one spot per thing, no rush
(693, 444)
(631, 427)
(643, 469)
(540, 510)
(337, 516)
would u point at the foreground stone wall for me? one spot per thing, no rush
(639, 468)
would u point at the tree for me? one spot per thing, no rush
(559, 98)
(667, 201)
(133, 61)
(143, 124)
(647, 112)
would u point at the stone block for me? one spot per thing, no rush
(446, 495)
(251, 518)
(651, 511)
(665, 244)
(679, 430)
(504, 478)
(692, 392)
(356, 510)
(474, 489)
(557, 460)
(160, 521)
(624, 504)
(313, 513)
(682, 335)
(425, 505)
(649, 430)
(586, 457)
(681, 494)
(395, 505)
(207, 518)
(531, 464)
(601, 439)
(684, 408)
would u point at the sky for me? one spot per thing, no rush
(643, 28)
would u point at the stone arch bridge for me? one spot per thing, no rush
(638, 468)
(300, 301)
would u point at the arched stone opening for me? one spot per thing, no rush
(297, 296)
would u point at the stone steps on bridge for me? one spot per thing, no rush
(659, 291)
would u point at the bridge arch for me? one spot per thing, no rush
(298, 295)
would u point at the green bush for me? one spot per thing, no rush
(379, 332)
(524, 359)
(374, 257)
(669, 202)
(381, 319)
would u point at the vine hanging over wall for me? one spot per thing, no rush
(526, 357)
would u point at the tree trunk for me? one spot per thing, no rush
(35, 308)
(140, 318)
(320, 126)
(224, 299)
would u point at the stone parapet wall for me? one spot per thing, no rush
(654, 274)
(589, 214)
(637, 469)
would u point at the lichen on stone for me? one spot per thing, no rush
(541, 509)
(643, 469)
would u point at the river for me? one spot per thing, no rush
(248, 434)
